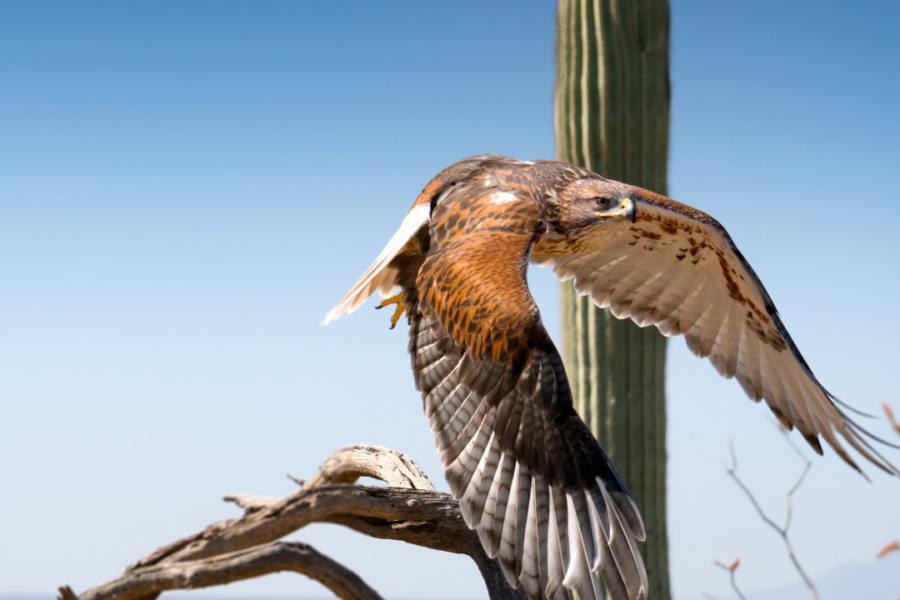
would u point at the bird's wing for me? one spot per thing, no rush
(383, 275)
(678, 269)
(531, 479)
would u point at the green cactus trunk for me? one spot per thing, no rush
(612, 116)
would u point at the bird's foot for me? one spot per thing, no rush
(401, 308)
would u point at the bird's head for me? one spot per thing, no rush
(584, 203)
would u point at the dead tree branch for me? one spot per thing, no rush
(890, 417)
(731, 569)
(235, 566)
(888, 548)
(410, 510)
(782, 530)
(348, 464)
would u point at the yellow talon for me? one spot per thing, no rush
(401, 308)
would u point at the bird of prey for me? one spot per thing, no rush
(530, 478)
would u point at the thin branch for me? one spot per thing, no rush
(782, 531)
(731, 569)
(250, 502)
(890, 416)
(892, 547)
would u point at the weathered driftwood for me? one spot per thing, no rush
(149, 581)
(246, 547)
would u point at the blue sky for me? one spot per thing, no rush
(186, 188)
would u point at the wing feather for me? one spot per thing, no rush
(510, 549)
(643, 304)
(526, 470)
(491, 526)
(559, 542)
(541, 500)
(530, 575)
(580, 515)
(678, 269)
(725, 349)
(747, 366)
(459, 473)
(581, 549)
(707, 327)
(472, 502)
(380, 276)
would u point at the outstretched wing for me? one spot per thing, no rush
(678, 269)
(531, 479)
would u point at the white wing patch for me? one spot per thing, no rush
(379, 276)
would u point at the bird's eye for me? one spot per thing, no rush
(602, 202)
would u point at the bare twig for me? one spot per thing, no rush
(890, 416)
(892, 547)
(251, 503)
(895, 545)
(410, 511)
(731, 569)
(782, 530)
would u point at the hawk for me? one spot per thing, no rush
(530, 478)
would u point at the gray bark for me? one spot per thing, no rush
(246, 547)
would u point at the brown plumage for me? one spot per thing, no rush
(531, 479)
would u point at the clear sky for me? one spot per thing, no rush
(186, 188)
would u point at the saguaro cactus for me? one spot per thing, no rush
(612, 116)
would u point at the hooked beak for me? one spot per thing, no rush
(626, 210)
